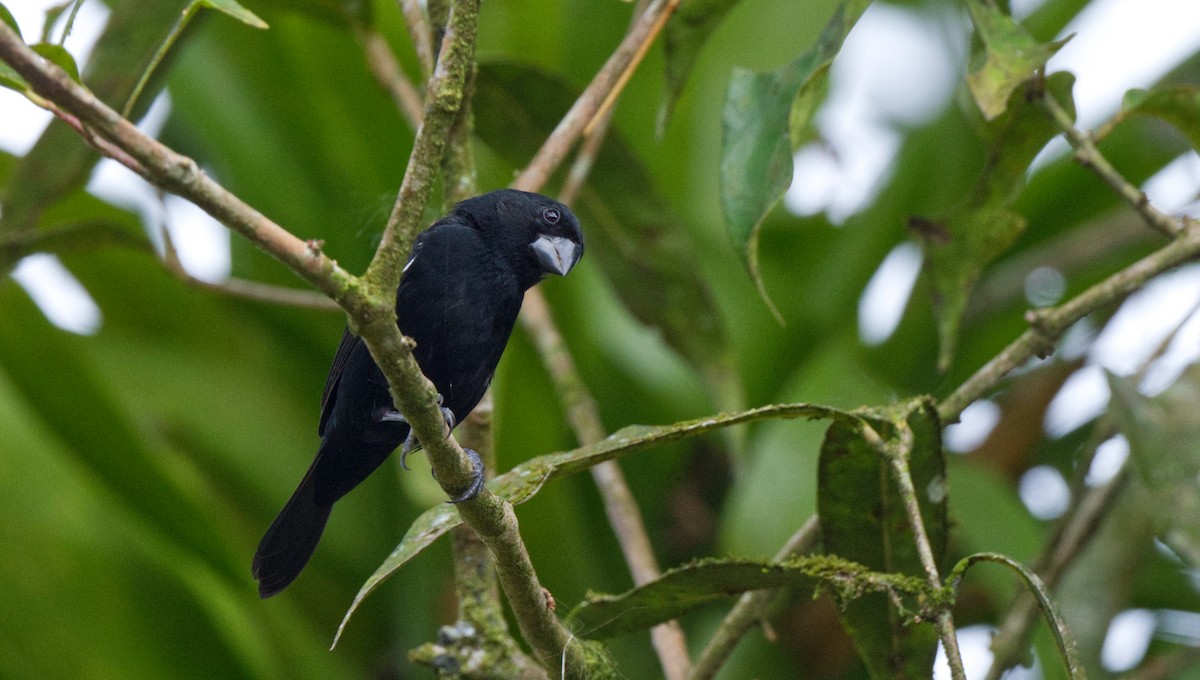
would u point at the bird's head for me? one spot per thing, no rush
(542, 232)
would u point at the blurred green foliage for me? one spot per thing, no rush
(140, 465)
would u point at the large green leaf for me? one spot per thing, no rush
(527, 479)
(863, 519)
(1012, 56)
(762, 122)
(87, 415)
(685, 588)
(983, 226)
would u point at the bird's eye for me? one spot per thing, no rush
(551, 215)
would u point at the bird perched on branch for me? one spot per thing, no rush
(459, 295)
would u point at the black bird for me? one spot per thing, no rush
(459, 295)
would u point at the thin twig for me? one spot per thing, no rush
(568, 130)
(244, 289)
(418, 30)
(897, 454)
(390, 75)
(627, 73)
(581, 167)
(751, 607)
(1090, 157)
(1048, 324)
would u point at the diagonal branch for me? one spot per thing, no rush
(389, 74)
(1089, 156)
(585, 108)
(176, 173)
(1048, 324)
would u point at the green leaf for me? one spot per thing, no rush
(631, 229)
(59, 56)
(1012, 57)
(863, 520)
(685, 588)
(87, 415)
(1162, 433)
(7, 17)
(1179, 105)
(683, 39)
(235, 10)
(763, 120)
(524, 481)
(983, 226)
(11, 79)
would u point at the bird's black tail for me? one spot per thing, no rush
(291, 540)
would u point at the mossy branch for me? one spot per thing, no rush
(368, 302)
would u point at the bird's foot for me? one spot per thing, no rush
(410, 442)
(476, 483)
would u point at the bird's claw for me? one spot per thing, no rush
(476, 483)
(410, 442)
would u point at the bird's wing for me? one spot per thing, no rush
(349, 342)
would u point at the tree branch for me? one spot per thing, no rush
(897, 454)
(388, 73)
(443, 99)
(176, 173)
(568, 130)
(1090, 157)
(1048, 324)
